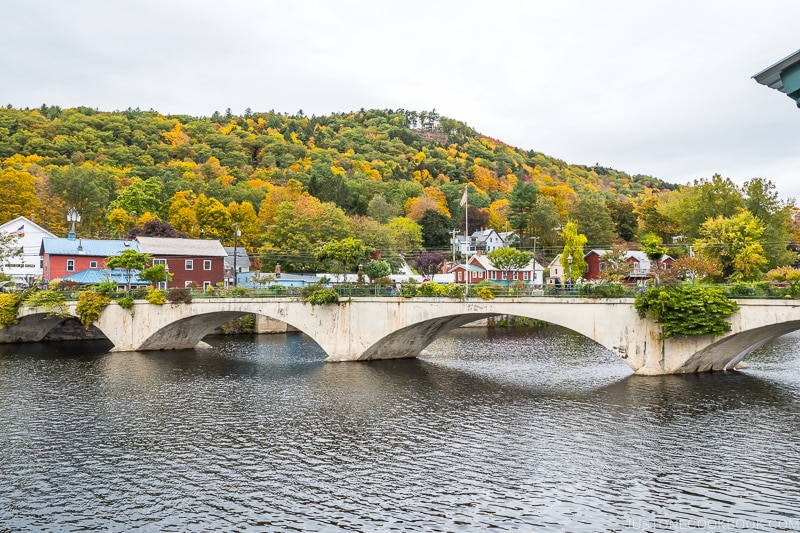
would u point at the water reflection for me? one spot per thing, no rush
(542, 431)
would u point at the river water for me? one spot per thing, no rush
(541, 431)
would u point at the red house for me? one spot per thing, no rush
(65, 256)
(192, 262)
(639, 266)
(480, 268)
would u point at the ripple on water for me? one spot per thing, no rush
(540, 431)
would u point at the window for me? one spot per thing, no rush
(70, 265)
(206, 285)
(187, 284)
(92, 264)
(206, 264)
(189, 264)
(159, 262)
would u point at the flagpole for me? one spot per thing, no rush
(469, 240)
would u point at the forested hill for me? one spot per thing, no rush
(378, 164)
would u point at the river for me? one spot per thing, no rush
(538, 431)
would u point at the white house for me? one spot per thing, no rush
(27, 268)
(483, 241)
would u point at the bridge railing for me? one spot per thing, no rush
(585, 290)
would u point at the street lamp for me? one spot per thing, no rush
(166, 275)
(73, 216)
(360, 273)
(236, 234)
(569, 262)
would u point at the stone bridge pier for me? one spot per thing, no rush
(384, 328)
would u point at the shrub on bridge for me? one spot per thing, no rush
(687, 309)
(454, 290)
(9, 308)
(51, 301)
(179, 295)
(603, 290)
(90, 305)
(126, 302)
(316, 294)
(156, 297)
(432, 289)
(409, 289)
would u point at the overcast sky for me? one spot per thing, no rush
(661, 88)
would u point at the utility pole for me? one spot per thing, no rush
(453, 241)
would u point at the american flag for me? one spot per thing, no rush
(20, 231)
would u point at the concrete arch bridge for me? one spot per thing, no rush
(385, 328)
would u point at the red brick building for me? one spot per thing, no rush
(196, 263)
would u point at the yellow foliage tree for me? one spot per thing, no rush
(119, 221)
(485, 179)
(276, 195)
(176, 135)
(498, 215)
(18, 191)
(563, 196)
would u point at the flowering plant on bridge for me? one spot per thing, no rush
(9, 308)
(90, 305)
(687, 309)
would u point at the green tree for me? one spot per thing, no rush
(377, 269)
(594, 220)
(508, 260)
(687, 309)
(735, 242)
(654, 250)
(139, 197)
(407, 234)
(130, 261)
(435, 229)
(761, 199)
(88, 189)
(623, 213)
(520, 206)
(705, 199)
(343, 256)
(573, 250)
(300, 229)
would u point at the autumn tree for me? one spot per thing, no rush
(616, 267)
(429, 264)
(246, 220)
(407, 234)
(572, 255)
(703, 200)
(301, 228)
(735, 242)
(788, 275)
(212, 217)
(18, 193)
(156, 228)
